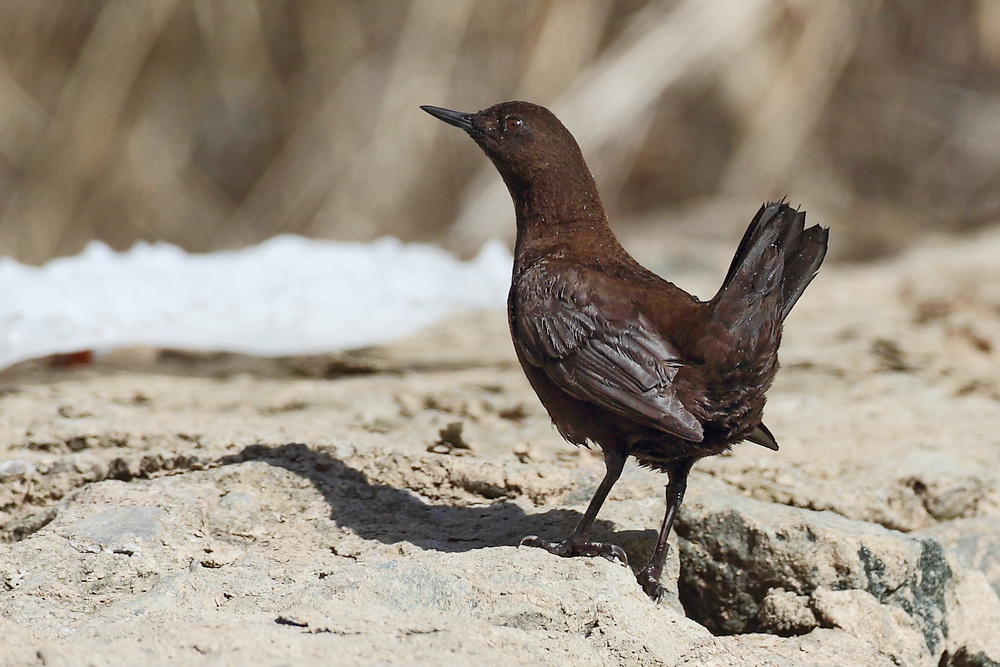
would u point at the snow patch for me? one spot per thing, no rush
(288, 295)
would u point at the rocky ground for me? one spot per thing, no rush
(365, 508)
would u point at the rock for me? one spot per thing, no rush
(119, 530)
(563, 602)
(16, 468)
(820, 648)
(888, 628)
(735, 550)
(974, 602)
(252, 562)
(324, 532)
(786, 613)
(913, 491)
(974, 542)
(974, 622)
(948, 487)
(20, 645)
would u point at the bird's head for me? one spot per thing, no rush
(525, 141)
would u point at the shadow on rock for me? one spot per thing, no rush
(378, 511)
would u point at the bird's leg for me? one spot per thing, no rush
(649, 576)
(577, 544)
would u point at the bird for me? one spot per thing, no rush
(619, 357)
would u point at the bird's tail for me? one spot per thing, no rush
(777, 253)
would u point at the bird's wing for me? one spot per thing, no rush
(599, 349)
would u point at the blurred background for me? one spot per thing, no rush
(218, 123)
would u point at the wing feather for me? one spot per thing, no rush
(601, 351)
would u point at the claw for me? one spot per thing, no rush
(618, 553)
(649, 585)
(567, 548)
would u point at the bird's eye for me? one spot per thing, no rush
(513, 123)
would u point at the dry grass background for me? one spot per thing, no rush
(218, 123)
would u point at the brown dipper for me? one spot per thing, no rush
(617, 355)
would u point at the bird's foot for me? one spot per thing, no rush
(569, 548)
(650, 584)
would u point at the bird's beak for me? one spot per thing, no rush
(456, 118)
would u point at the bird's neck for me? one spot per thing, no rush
(556, 210)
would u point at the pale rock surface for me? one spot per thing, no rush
(167, 508)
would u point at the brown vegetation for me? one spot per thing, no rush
(217, 123)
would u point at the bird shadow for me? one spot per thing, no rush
(377, 511)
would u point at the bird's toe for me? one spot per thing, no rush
(650, 585)
(557, 548)
(569, 548)
(617, 553)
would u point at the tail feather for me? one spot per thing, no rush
(778, 228)
(803, 264)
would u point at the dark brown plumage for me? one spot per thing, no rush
(617, 355)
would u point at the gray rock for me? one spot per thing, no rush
(735, 550)
(120, 530)
(974, 542)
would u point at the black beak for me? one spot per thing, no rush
(456, 118)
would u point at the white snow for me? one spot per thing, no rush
(288, 295)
